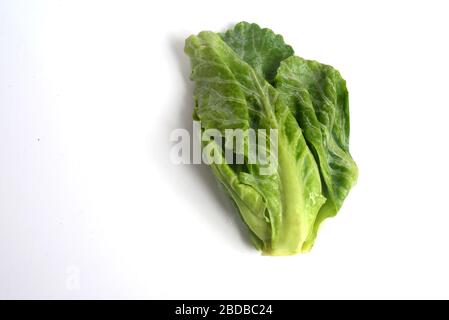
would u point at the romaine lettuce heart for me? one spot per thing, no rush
(247, 78)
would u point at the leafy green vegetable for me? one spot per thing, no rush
(248, 78)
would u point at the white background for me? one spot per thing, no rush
(91, 207)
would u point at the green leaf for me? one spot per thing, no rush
(229, 93)
(318, 98)
(260, 48)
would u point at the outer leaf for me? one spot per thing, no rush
(319, 100)
(229, 93)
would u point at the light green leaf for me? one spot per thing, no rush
(318, 98)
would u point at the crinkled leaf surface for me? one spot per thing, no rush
(260, 48)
